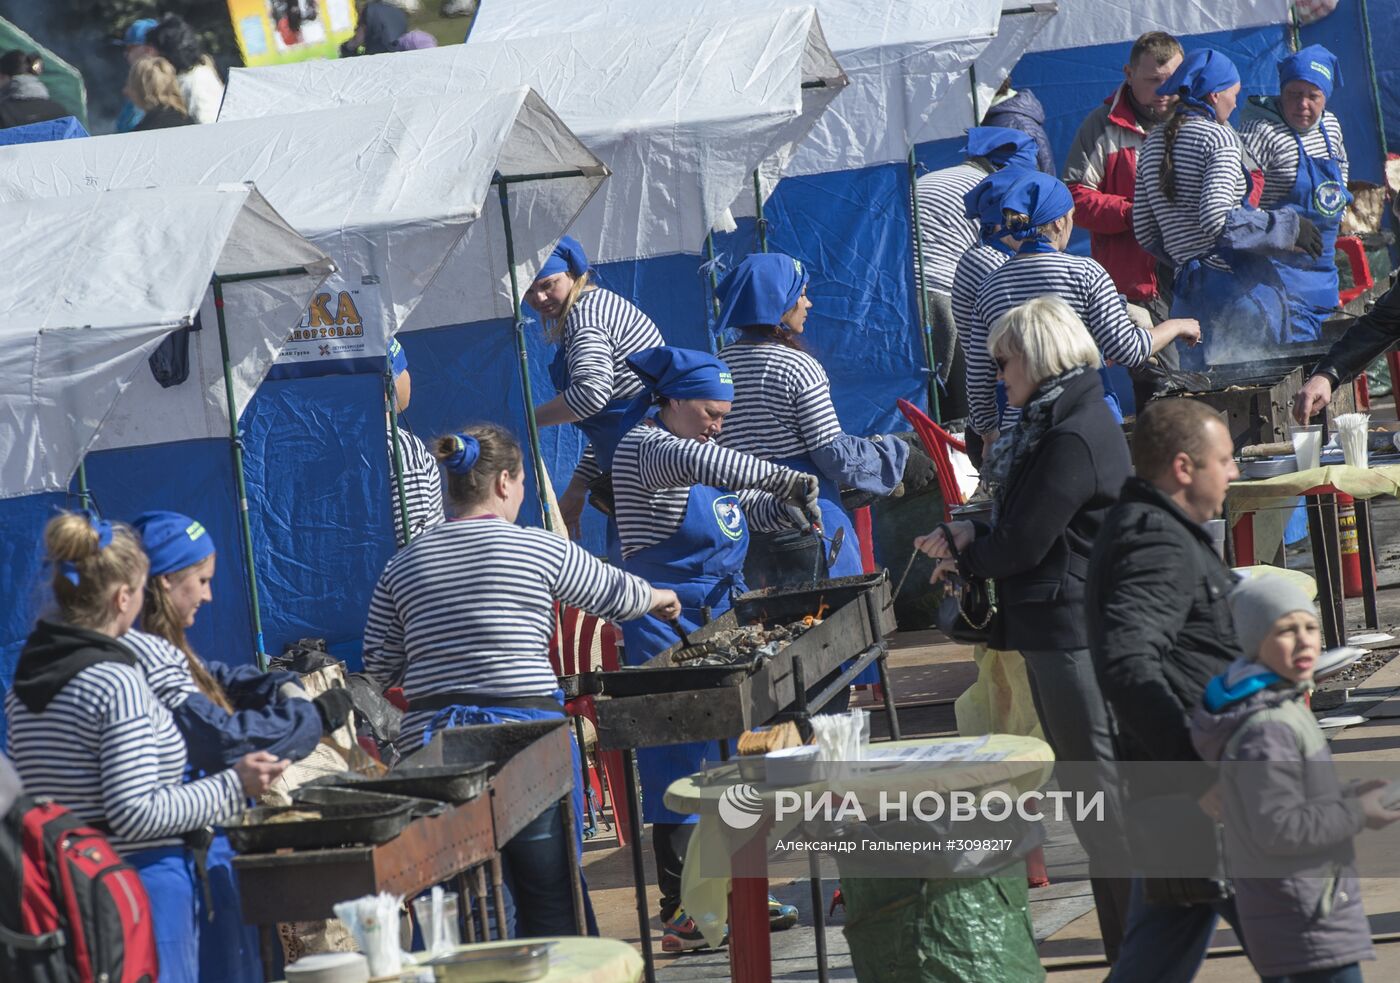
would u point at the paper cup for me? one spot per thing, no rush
(1307, 446)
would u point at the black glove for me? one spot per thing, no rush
(334, 706)
(1309, 238)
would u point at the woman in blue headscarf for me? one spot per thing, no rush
(1297, 143)
(1038, 216)
(1192, 210)
(783, 413)
(596, 330)
(684, 508)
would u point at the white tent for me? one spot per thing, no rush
(902, 57)
(102, 279)
(682, 113)
(1087, 22)
(1022, 21)
(386, 190)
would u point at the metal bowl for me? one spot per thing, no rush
(1270, 467)
(494, 964)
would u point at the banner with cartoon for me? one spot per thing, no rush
(271, 32)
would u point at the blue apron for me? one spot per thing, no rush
(228, 949)
(1320, 195)
(168, 875)
(702, 561)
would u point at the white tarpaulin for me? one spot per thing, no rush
(386, 190)
(902, 58)
(682, 114)
(1022, 21)
(102, 279)
(1087, 22)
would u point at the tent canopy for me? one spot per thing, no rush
(902, 57)
(386, 189)
(681, 116)
(102, 280)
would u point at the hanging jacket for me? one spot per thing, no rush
(1023, 111)
(26, 100)
(1288, 824)
(1100, 171)
(1368, 338)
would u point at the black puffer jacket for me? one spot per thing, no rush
(1373, 334)
(1038, 552)
(1159, 624)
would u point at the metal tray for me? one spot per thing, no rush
(321, 793)
(442, 783)
(496, 964)
(642, 681)
(339, 825)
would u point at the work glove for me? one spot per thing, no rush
(1309, 238)
(802, 502)
(334, 706)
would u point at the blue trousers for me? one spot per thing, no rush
(1167, 943)
(228, 949)
(168, 875)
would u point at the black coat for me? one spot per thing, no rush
(22, 112)
(163, 117)
(1038, 552)
(1159, 623)
(1374, 333)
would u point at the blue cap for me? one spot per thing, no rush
(137, 31)
(1313, 64)
(760, 290)
(1040, 197)
(568, 257)
(682, 373)
(1200, 73)
(398, 359)
(983, 203)
(1001, 145)
(172, 541)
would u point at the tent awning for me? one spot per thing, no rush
(102, 280)
(682, 114)
(386, 190)
(1081, 23)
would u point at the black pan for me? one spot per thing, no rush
(339, 825)
(441, 783)
(644, 682)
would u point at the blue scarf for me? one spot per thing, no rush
(1200, 73)
(1042, 198)
(760, 290)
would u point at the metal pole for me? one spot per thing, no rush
(1371, 68)
(531, 425)
(715, 339)
(237, 443)
(762, 223)
(972, 83)
(84, 497)
(639, 870)
(926, 326)
(391, 400)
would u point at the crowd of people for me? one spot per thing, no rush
(721, 472)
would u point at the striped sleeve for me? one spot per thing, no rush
(422, 487)
(1147, 226)
(384, 650)
(602, 330)
(1208, 169)
(586, 582)
(764, 511)
(1224, 165)
(981, 372)
(945, 231)
(1118, 338)
(588, 469)
(677, 463)
(166, 668)
(591, 369)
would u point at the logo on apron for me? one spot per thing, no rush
(729, 516)
(1330, 198)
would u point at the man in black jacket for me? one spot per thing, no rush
(1366, 340)
(1159, 629)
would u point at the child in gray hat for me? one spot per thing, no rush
(1288, 822)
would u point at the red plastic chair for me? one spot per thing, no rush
(936, 443)
(1355, 251)
(570, 653)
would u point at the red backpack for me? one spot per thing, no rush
(71, 910)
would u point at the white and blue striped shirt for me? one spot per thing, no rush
(1208, 161)
(1274, 146)
(107, 749)
(974, 267)
(782, 402)
(653, 472)
(422, 487)
(167, 669)
(945, 231)
(468, 607)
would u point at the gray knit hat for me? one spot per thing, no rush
(1257, 602)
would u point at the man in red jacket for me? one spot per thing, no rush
(1102, 167)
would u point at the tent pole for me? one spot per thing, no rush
(1371, 68)
(84, 496)
(391, 403)
(237, 442)
(972, 84)
(531, 424)
(762, 223)
(926, 326)
(714, 290)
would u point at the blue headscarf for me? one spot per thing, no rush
(463, 458)
(398, 359)
(1200, 73)
(676, 373)
(760, 290)
(1040, 197)
(172, 541)
(983, 203)
(104, 539)
(568, 257)
(1313, 64)
(1001, 145)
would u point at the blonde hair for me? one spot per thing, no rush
(159, 617)
(152, 83)
(1047, 334)
(554, 330)
(70, 539)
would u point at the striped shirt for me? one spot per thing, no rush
(1274, 146)
(1077, 280)
(108, 750)
(166, 668)
(974, 267)
(782, 402)
(1208, 161)
(653, 472)
(422, 487)
(468, 607)
(945, 231)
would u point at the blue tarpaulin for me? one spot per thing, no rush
(63, 128)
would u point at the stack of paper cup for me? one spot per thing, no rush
(1307, 446)
(1351, 434)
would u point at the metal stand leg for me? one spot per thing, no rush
(1326, 570)
(498, 895)
(592, 827)
(890, 711)
(1365, 546)
(819, 913)
(270, 941)
(468, 904)
(575, 875)
(639, 870)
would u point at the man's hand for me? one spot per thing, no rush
(1315, 394)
